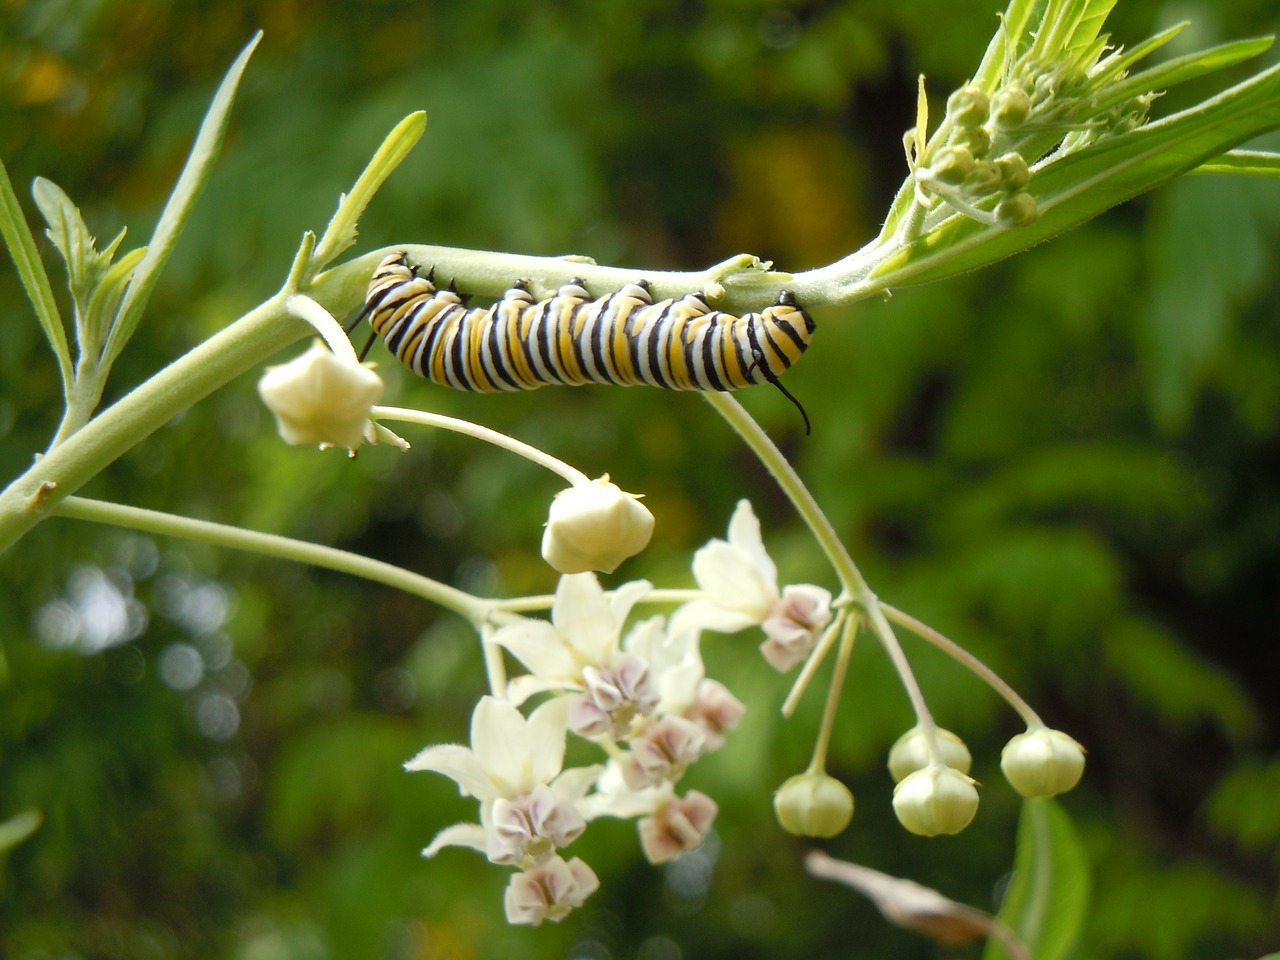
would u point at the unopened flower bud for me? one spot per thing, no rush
(595, 526)
(911, 753)
(1017, 210)
(1014, 173)
(983, 178)
(935, 800)
(1011, 106)
(951, 164)
(968, 107)
(813, 805)
(977, 139)
(319, 398)
(1042, 762)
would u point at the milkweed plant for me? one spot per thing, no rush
(1054, 127)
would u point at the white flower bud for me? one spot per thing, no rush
(911, 753)
(813, 805)
(595, 526)
(319, 398)
(1042, 762)
(935, 800)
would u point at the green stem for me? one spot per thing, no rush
(967, 660)
(846, 570)
(816, 656)
(546, 600)
(768, 454)
(819, 762)
(271, 545)
(28, 499)
(404, 415)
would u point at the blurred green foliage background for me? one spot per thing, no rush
(1070, 463)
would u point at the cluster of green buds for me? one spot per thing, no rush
(977, 169)
(1006, 123)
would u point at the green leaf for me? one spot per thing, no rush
(66, 229)
(1249, 163)
(1181, 69)
(1121, 61)
(1083, 184)
(18, 828)
(86, 268)
(178, 210)
(22, 247)
(341, 232)
(1047, 898)
(106, 296)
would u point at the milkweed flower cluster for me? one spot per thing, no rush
(638, 690)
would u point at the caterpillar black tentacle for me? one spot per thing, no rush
(622, 338)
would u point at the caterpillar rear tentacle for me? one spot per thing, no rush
(622, 338)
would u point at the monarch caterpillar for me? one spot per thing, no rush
(622, 338)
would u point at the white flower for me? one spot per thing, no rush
(528, 807)
(586, 624)
(320, 398)
(680, 824)
(661, 752)
(739, 581)
(740, 589)
(595, 526)
(716, 711)
(793, 625)
(549, 891)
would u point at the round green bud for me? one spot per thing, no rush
(968, 107)
(1042, 762)
(977, 139)
(935, 800)
(813, 805)
(1014, 173)
(952, 164)
(983, 178)
(1017, 210)
(911, 753)
(1011, 106)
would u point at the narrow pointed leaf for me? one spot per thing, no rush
(341, 232)
(1181, 69)
(67, 231)
(22, 247)
(1046, 901)
(178, 210)
(1121, 61)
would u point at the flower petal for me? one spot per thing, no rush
(539, 646)
(459, 764)
(546, 729)
(744, 533)
(501, 741)
(582, 615)
(459, 835)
